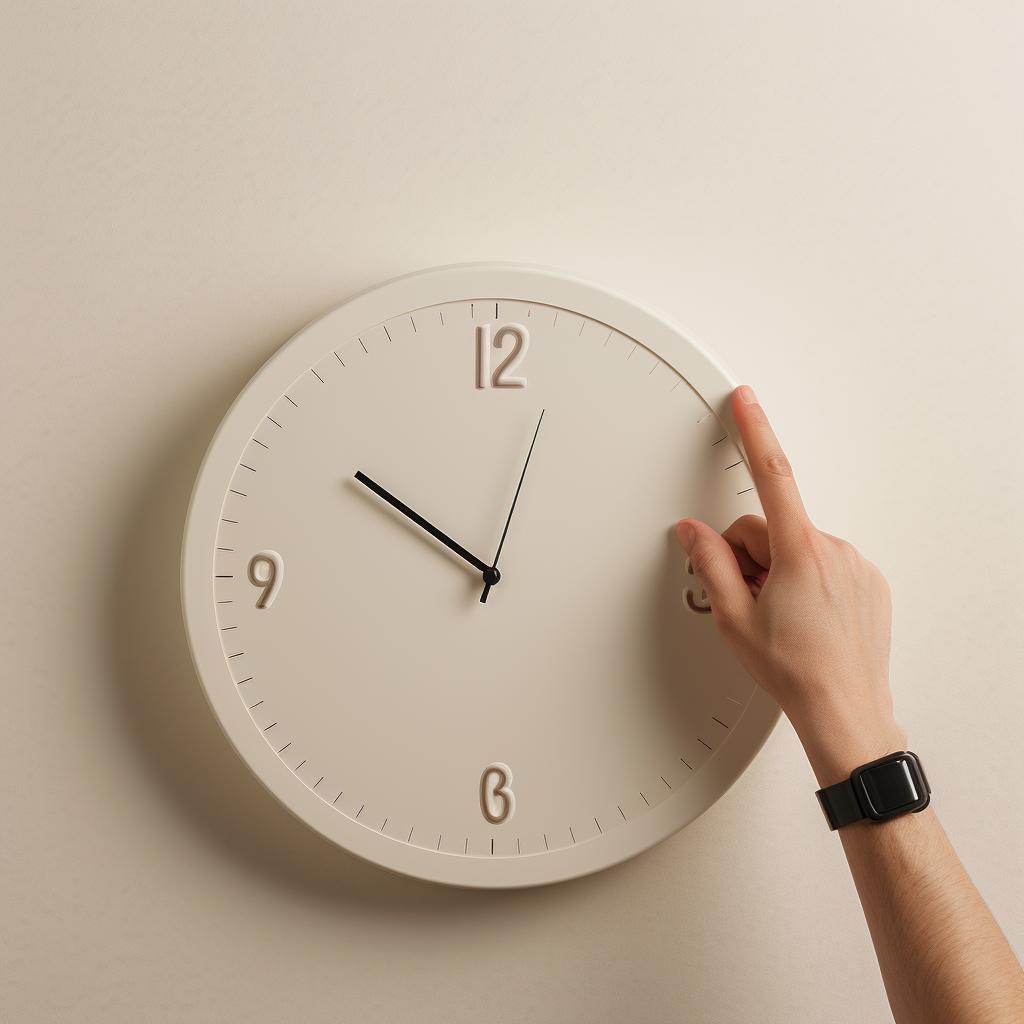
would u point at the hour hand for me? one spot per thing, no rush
(467, 556)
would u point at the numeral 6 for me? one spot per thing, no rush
(497, 801)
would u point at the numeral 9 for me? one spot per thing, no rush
(266, 571)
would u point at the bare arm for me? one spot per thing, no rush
(810, 620)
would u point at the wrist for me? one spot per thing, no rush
(837, 742)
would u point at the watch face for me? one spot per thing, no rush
(403, 698)
(892, 786)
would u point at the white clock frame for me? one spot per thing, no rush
(378, 305)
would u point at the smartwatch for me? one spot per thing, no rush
(880, 790)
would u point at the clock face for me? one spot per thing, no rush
(431, 587)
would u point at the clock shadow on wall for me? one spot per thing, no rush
(182, 749)
(167, 719)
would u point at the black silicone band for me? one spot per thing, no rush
(840, 805)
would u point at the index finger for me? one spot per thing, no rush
(772, 473)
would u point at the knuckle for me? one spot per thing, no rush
(750, 521)
(847, 550)
(740, 528)
(810, 538)
(775, 463)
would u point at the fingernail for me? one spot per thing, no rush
(686, 534)
(747, 396)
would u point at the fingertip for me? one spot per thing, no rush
(686, 534)
(744, 395)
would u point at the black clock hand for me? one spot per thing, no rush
(468, 556)
(489, 582)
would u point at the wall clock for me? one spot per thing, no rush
(430, 586)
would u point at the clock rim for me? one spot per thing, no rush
(379, 304)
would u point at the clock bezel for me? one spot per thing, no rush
(381, 304)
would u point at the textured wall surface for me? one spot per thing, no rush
(828, 195)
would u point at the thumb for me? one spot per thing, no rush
(714, 562)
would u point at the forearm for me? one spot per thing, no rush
(942, 955)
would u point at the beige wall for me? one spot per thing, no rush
(828, 194)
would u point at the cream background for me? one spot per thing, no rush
(828, 194)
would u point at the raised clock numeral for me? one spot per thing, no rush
(501, 377)
(266, 571)
(696, 600)
(497, 801)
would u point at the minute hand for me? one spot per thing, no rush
(479, 564)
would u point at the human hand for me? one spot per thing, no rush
(807, 615)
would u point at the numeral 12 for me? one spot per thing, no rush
(501, 377)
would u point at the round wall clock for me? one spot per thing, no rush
(431, 589)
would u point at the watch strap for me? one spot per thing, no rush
(840, 804)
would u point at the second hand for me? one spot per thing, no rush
(494, 576)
